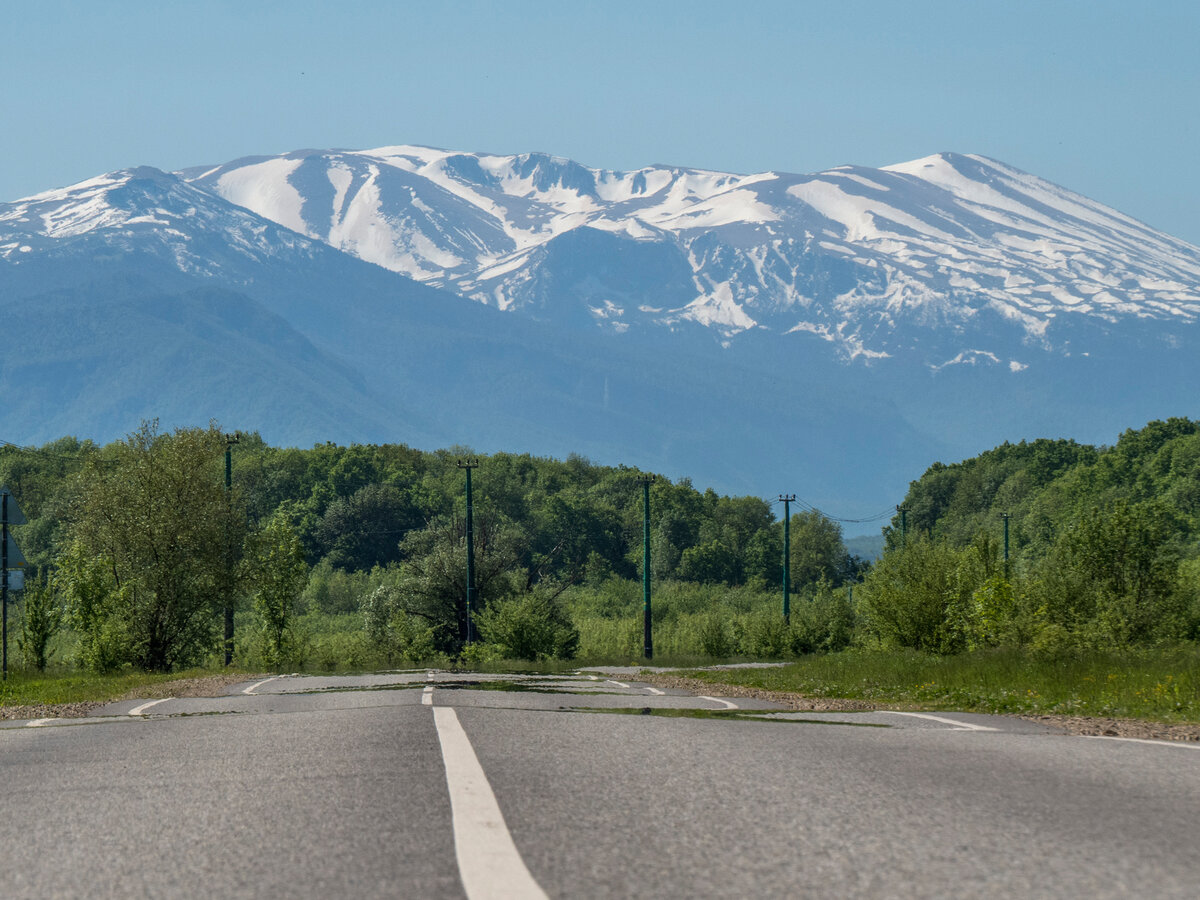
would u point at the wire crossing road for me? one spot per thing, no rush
(434, 784)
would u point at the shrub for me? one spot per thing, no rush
(530, 626)
(41, 618)
(823, 625)
(911, 597)
(393, 631)
(715, 639)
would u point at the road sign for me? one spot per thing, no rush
(15, 516)
(16, 559)
(16, 581)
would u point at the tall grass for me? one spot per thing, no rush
(1160, 684)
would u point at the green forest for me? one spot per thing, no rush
(354, 557)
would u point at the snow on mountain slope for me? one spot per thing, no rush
(150, 211)
(860, 257)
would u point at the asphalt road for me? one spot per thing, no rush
(447, 785)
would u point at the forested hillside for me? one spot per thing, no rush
(1103, 547)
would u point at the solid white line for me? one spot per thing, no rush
(724, 703)
(618, 683)
(655, 691)
(1107, 737)
(141, 710)
(488, 861)
(427, 696)
(966, 726)
(38, 723)
(253, 687)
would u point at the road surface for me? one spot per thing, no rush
(435, 784)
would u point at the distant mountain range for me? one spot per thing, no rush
(827, 334)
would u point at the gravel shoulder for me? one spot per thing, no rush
(1082, 725)
(205, 686)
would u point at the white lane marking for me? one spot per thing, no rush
(593, 677)
(38, 723)
(427, 696)
(488, 861)
(254, 687)
(429, 676)
(141, 710)
(963, 726)
(725, 703)
(618, 683)
(655, 691)
(1108, 737)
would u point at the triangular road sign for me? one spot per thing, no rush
(15, 516)
(16, 559)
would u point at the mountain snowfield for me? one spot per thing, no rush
(855, 256)
(829, 335)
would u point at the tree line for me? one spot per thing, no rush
(136, 544)
(1103, 548)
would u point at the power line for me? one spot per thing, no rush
(808, 507)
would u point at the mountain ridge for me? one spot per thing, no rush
(823, 253)
(732, 328)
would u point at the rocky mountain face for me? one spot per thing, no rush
(828, 334)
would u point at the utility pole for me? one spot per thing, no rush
(787, 499)
(230, 440)
(903, 510)
(468, 465)
(647, 636)
(1004, 516)
(4, 576)
(10, 514)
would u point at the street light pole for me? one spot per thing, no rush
(787, 556)
(647, 634)
(468, 465)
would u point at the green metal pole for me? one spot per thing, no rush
(787, 556)
(230, 440)
(647, 635)
(4, 576)
(469, 465)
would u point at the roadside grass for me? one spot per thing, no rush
(74, 686)
(1156, 684)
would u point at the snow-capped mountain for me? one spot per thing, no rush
(969, 259)
(829, 334)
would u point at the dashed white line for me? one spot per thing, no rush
(429, 676)
(962, 726)
(141, 710)
(253, 687)
(655, 691)
(38, 723)
(725, 703)
(488, 861)
(427, 696)
(618, 683)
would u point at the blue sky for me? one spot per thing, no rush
(1101, 97)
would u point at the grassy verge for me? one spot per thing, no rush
(32, 689)
(1160, 685)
